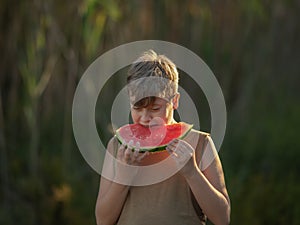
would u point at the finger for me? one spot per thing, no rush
(173, 154)
(189, 150)
(183, 150)
(176, 140)
(179, 158)
(123, 145)
(180, 149)
(168, 150)
(185, 153)
(171, 149)
(121, 150)
(138, 145)
(172, 146)
(130, 145)
(141, 156)
(173, 142)
(184, 156)
(127, 155)
(137, 149)
(185, 146)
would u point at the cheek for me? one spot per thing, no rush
(135, 116)
(132, 112)
(165, 114)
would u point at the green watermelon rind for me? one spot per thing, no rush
(156, 148)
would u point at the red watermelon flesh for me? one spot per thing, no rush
(154, 138)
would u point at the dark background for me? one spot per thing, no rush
(46, 45)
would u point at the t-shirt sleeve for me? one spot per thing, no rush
(108, 168)
(209, 154)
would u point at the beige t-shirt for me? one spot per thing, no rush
(171, 201)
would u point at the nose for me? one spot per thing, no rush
(145, 116)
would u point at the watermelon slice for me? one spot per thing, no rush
(153, 138)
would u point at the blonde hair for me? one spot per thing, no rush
(152, 75)
(152, 64)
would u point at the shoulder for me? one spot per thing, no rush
(199, 133)
(200, 137)
(113, 144)
(201, 142)
(113, 140)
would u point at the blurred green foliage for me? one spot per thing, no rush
(251, 46)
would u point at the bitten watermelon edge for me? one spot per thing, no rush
(147, 136)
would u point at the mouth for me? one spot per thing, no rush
(148, 125)
(145, 125)
(153, 123)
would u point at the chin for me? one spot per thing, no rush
(144, 125)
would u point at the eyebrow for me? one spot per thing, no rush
(157, 104)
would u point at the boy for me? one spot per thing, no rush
(189, 196)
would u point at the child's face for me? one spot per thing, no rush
(154, 114)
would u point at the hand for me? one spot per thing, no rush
(128, 156)
(184, 156)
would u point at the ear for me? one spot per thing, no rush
(175, 101)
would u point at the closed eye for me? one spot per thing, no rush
(137, 108)
(155, 109)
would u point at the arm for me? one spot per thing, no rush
(215, 202)
(111, 197)
(112, 194)
(208, 186)
(110, 201)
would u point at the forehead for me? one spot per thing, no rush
(151, 86)
(159, 101)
